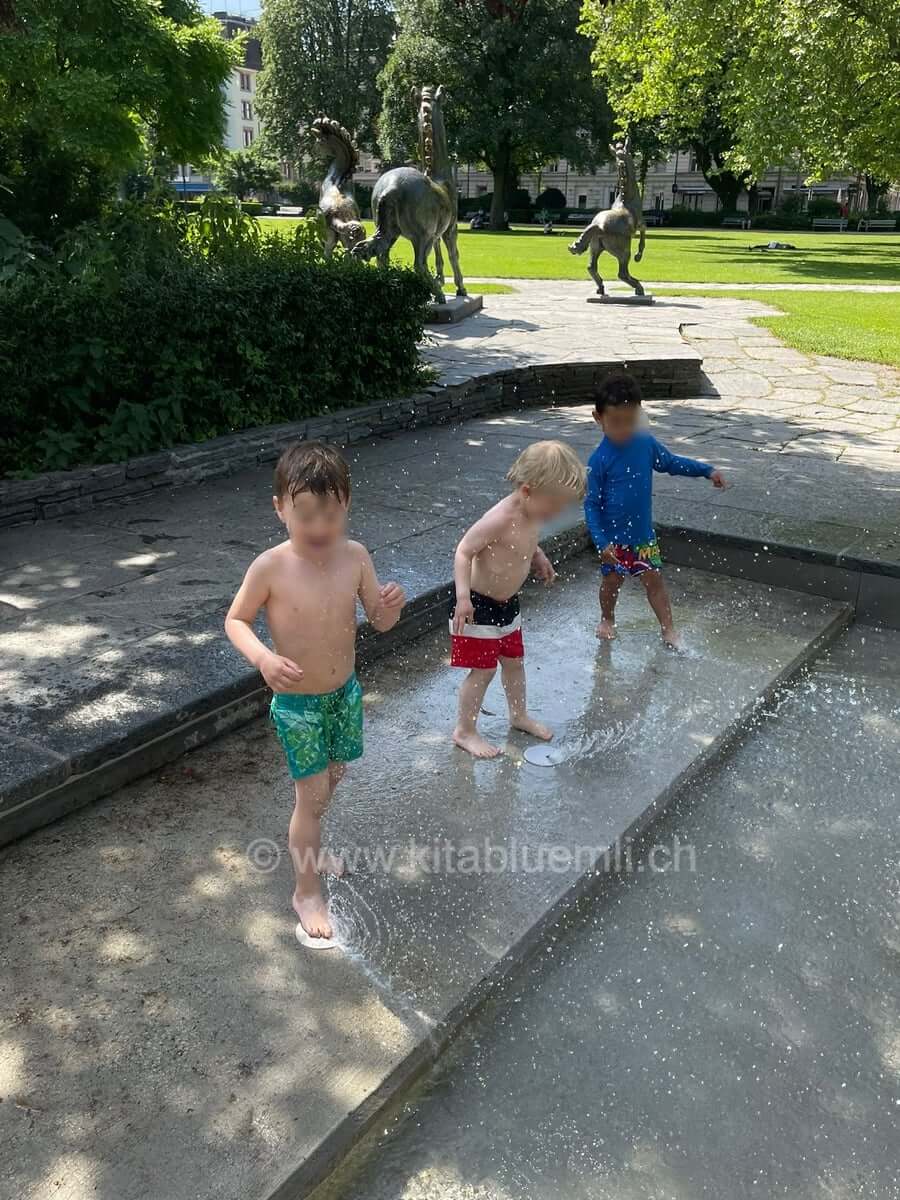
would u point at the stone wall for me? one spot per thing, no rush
(62, 492)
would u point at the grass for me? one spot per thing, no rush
(859, 325)
(679, 256)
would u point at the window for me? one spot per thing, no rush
(246, 82)
(692, 163)
(246, 110)
(248, 137)
(553, 169)
(612, 197)
(480, 189)
(582, 200)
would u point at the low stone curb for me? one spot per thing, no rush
(60, 493)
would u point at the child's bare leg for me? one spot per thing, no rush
(609, 594)
(512, 674)
(471, 694)
(329, 863)
(658, 595)
(312, 795)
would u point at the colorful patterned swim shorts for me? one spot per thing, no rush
(317, 730)
(635, 560)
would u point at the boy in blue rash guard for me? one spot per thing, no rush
(618, 506)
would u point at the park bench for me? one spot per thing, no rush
(736, 222)
(877, 225)
(582, 218)
(838, 223)
(654, 217)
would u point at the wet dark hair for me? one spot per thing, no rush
(312, 467)
(616, 391)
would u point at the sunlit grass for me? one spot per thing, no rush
(678, 256)
(855, 325)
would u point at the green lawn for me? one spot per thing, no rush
(680, 256)
(861, 325)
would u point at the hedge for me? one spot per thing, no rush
(97, 372)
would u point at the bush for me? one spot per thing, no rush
(823, 207)
(301, 193)
(552, 199)
(156, 349)
(681, 215)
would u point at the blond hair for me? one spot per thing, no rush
(549, 466)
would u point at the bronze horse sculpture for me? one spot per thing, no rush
(336, 201)
(613, 228)
(420, 205)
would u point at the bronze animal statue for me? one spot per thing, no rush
(613, 228)
(421, 205)
(336, 202)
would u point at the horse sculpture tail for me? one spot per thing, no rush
(337, 140)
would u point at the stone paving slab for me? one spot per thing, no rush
(161, 1033)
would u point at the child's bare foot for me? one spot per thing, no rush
(606, 630)
(331, 864)
(535, 728)
(671, 638)
(474, 743)
(313, 913)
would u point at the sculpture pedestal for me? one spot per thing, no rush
(457, 308)
(608, 299)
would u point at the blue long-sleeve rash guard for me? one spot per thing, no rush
(618, 507)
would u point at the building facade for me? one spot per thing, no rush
(677, 181)
(242, 126)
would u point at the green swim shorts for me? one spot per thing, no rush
(317, 730)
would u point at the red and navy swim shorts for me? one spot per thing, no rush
(494, 633)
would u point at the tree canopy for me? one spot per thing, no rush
(239, 172)
(89, 86)
(321, 57)
(519, 79)
(794, 80)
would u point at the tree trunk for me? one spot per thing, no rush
(503, 171)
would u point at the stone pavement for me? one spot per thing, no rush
(162, 1036)
(110, 621)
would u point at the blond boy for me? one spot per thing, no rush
(492, 562)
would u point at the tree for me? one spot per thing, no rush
(321, 57)
(794, 80)
(89, 89)
(239, 172)
(519, 78)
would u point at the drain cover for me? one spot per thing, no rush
(544, 756)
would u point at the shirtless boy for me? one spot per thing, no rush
(491, 564)
(309, 586)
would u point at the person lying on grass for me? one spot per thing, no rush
(618, 507)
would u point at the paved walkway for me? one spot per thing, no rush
(112, 619)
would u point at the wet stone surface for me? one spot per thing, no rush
(162, 1034)
(730, 1028)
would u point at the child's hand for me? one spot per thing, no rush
(461, 614)
(392, 596)
(543, 569)
(608, 555)
(280, 673)
(717, 479)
